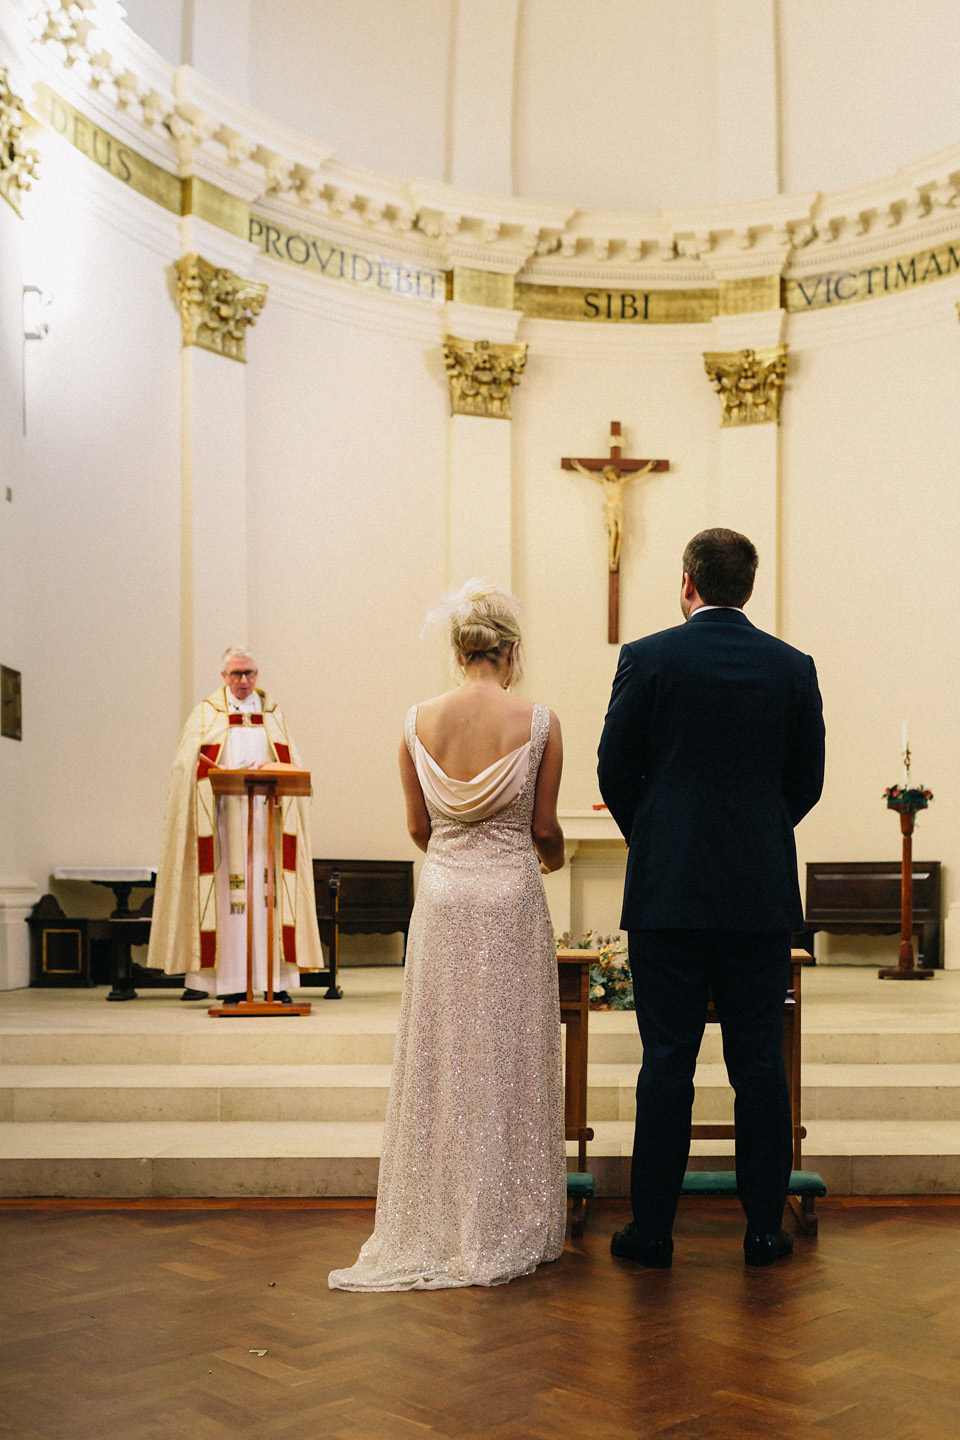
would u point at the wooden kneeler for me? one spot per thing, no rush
(272, 781)
(805, 1185)
(574, 976)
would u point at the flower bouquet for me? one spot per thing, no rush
(611, 985)
(906, 798)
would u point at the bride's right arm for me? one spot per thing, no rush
(418, 820)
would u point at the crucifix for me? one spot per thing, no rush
(612, 473)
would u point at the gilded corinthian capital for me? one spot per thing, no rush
(18, 163)
(482, 375)
(216, 306)
(749, 383)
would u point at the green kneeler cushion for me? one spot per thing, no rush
(579, 1184)
(724, 1182)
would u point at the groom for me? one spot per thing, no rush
(712, 751)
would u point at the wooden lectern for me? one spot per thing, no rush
(274, 782)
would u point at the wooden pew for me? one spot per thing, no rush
(359, 897)
(862, 897)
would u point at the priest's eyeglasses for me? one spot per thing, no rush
(242, 674)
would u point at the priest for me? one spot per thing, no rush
(199, 924)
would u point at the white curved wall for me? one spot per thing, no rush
(369, 79)
(867, 85)
(616, 103)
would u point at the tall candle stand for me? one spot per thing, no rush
(906, 800)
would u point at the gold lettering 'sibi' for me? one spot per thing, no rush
(325, 257)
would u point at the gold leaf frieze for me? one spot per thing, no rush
(18, 162)
(749, 383)
(482, 374)
(216, 306)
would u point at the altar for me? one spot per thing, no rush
(587, 893)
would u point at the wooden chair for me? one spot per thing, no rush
(805, 1185)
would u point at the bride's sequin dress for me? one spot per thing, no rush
(473, 1173)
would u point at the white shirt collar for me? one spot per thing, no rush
(249, 706)
(701, 608)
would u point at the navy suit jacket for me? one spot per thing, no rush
(712, 751)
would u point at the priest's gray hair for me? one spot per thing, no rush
(235, 651)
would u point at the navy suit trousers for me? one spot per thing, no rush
(674, 974)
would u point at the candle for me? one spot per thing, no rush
(906, 754)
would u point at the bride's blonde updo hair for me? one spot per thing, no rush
(483, 623)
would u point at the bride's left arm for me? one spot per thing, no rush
(418, 819)
(547, 835)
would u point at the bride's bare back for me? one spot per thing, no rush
(471, 728)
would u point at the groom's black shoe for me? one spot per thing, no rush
(629, 1244)
(764, 1247)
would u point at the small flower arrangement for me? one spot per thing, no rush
(907, 797)
(611, 985)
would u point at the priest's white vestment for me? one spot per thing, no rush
(196, 928)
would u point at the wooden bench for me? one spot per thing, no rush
(862, 897)
(359, 897)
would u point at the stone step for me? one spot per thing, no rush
(835, 1047)
(296, 1158)
(613, 1041)
(829, 1092)
(342, 1092)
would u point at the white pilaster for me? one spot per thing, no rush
(748, 143)
(216, 41)
(213, 567)
(479, 468)
(749, 475)
(481, 107)
(17, 899)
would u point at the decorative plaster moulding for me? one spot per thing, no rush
(378, 313)
(123, 210)
(406, 246)
(86, 52)
(613, 344)
(871, 319)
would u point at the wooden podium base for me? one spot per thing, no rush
(260, 1007)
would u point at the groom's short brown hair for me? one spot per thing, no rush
(722, 564)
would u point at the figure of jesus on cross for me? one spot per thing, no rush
(612, 475)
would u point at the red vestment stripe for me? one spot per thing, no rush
(256, 719)
(208, 757)
(208, 949)
(283, 753)
(289, 852)
(234, 719)
(205, 854)
(289, 944)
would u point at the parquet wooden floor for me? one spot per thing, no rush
(148, 1324)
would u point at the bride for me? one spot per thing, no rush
(473, 1173)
